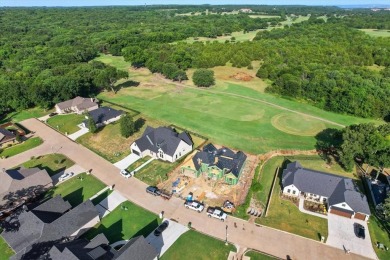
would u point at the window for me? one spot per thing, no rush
(294, 191)
(288, 191)
(343, 205)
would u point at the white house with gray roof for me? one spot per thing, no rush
(76, 105)
(339, 193)
(162, 143)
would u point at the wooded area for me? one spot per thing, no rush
(46, 57)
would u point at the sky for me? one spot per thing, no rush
(154, 2)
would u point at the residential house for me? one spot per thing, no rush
(216, 164)
(20, 184)
(6, 137)
(76, 105)
(162, 143)
(81, 249)
(103, 116)
(339, 193)
(50, 223)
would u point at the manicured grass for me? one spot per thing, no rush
(225, 117)
(123, 224)
(239, 37)
(77, 189)
(156, 172)
(20, 148)
(66, 124)
(5, 251)
(52, 163)
(25, 114)
(115, 61)
(101, 197)
(138, 163)
(284, 215)
(379, 234)
(266, 178)
(194, 245)
(376, 33)
(254, 255)
(264, 16)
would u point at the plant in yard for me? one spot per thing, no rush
(91, 124)
(127, 125)
(203, 78)
(18, 138)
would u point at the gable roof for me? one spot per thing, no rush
(336, 188)
(52, 209)
(15, 180)
(103, 114)
(33, 232)
(163, 138)
(79, 103)
(6, 135)
(223, 158)
(137, 249)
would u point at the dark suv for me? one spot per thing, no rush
(153, 190)
(161, 228)
(359, 231)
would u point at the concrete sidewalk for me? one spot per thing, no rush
(110, 203)
(79, 133)
(301, 201)
(76, 169)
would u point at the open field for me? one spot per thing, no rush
(77, 189)
(231, 113)
(66, 124)
(123, 224)
(52, 163)
(254, 255)
(20, 148)
(6, 251)
(263, 16)
(192, 244)
(25, 114)
(376, 33)
(156, 172)
(239, 37)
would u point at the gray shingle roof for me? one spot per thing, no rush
(51, 209)
(6, 135)
(223, 158)
(103, 114)
(336, 188)
(33, 231)
(162, 137)
(79, 102)
(137, 249)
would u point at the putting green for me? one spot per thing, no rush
(297, 124)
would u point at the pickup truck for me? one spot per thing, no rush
(194, 205)
(216, 213)
(153, 190)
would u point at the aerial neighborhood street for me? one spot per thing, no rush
(175, 130)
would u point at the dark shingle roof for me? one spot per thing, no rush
(336, 188)
(6, 135)
(34, 232)
(162, 137)
(52, 209)
(103, 114)
(223, 158)
(137, 249)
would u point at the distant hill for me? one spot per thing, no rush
(369, 6)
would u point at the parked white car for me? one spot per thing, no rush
(125, 174)
(216, 213)
(194, 205)
(66, 176)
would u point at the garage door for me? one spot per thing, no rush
(341, 212)
(135, 152)
(360, 216)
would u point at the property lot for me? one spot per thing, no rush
(342, 235)
(52, 163)
(66, 124)
(20, 148)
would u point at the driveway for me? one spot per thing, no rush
(244, 234)
(127, 161)
(79, 133)
(76, 169)
(110, 203)
(342, 235)
(163, 242)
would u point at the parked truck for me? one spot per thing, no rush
(194, 205)
(216, 213)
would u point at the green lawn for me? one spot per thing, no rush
(242, 123)
(379, 234)
(101, 197)
(123, 224)
(155, 172)
(265, 179)
(138, 163)
(20, 148)
(77, 189)
(254, 255)
(376, 33)
(194, 245)
(5, 251)
(52, 163)
(284, 215)
(25, 114)
(115, 61)
(66, 124)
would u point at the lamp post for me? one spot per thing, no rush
(226, 242)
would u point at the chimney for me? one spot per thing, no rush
(91, 99)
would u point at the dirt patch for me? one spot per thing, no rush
(242, 76)
(211, 192)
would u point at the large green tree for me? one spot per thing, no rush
(91, 123)
(109, 76)
(203, 78)
(127, 125)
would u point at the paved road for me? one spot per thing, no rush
(271, 241)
